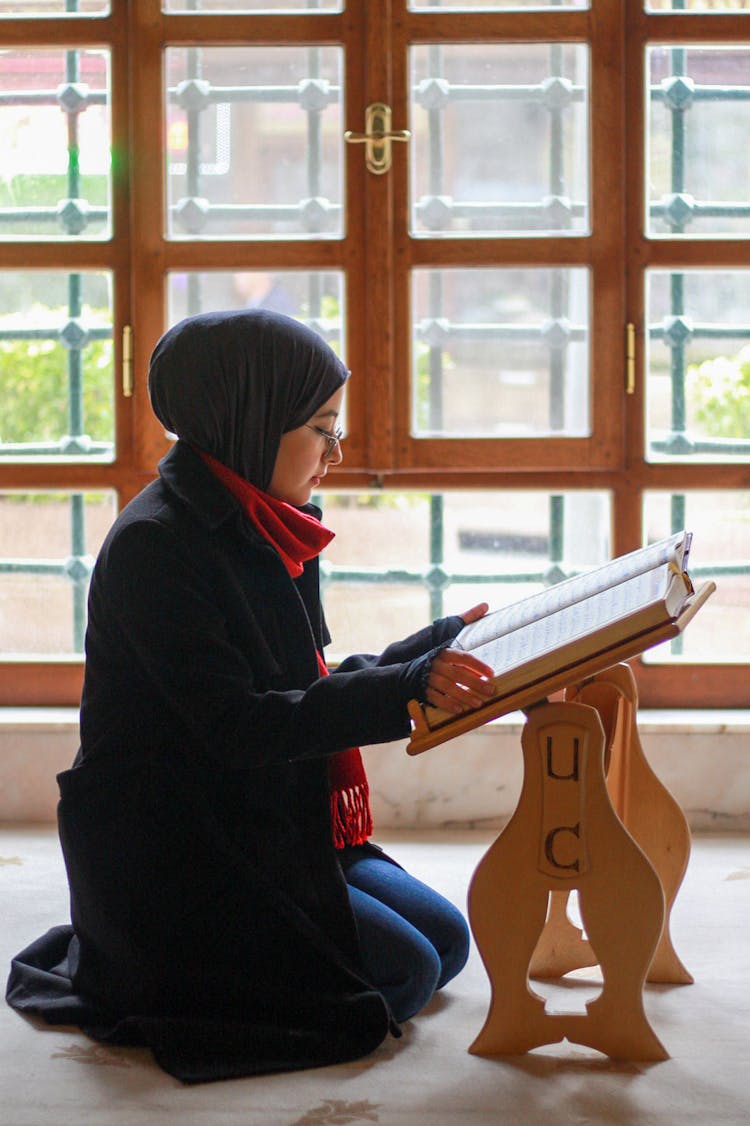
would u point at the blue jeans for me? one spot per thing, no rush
(412, 940)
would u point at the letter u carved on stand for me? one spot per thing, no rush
(563, 836)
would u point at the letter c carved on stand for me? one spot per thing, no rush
(549, 846)
(562, 837)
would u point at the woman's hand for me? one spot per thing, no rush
(475, 613)
(457, 681)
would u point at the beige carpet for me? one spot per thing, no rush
(427, 1078)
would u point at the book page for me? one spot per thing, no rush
(635, 600)
(573, 590)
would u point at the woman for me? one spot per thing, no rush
(227, 908)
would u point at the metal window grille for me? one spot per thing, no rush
(194, 214)
(194, 211)
(678, 209)
(72, 213)
(436, 578)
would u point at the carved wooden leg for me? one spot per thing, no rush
(506, 916)
(565, 834)
(645, 806)
(622, 907)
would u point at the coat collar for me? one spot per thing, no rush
(185, 474)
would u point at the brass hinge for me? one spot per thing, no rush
(127, 361)
(377, 137)
(630, 358)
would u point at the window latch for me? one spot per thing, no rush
(377, 137)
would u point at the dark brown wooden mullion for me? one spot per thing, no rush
(256, 29)
(350, 252)
(227, 254)
(607, 255)
(666, 253)
(119, 248)
(670, 477)
(374, 325)
(48, 683)
(498, 251)
(501, 26)
(691, 686)
(628, 500)
(62, 31)
(64, 255)
(507, 454)
(148, 217)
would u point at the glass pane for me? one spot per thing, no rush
(254, 6)
(400, 559)
(470, 104)
(56, 373)
(500, 353)
(49, 543)
(698, 365)
(698, 139)
(56, 140)
(254, 142)
(496, 5)
(704, 7)
(27, 8)
(720, 523)
(315, 297)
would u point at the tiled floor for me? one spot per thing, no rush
(427, 1078)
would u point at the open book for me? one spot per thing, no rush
(580, 626)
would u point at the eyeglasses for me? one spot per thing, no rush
(332, 438)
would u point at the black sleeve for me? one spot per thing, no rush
(162, 611)
(441, 633)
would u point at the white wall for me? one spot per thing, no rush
(703, 758)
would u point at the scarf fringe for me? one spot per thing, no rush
(351, 820)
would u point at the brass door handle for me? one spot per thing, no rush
(377, 137)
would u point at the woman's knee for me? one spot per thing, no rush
(399, 961)
(419, 973)
(435, 917)
(454, 948)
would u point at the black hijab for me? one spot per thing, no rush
(232, 383)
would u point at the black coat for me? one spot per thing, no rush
(210, 915)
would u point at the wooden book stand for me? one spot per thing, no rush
(592, 816)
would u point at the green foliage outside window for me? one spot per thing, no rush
(37, 189)
(720, 392)
(35, 388)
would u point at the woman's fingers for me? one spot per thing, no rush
(475, 613)
(458, 681)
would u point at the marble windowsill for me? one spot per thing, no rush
(703, 757)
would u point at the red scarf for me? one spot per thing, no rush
(298, 537)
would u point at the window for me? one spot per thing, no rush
(537, 268)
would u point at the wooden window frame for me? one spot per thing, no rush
(381, 450)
